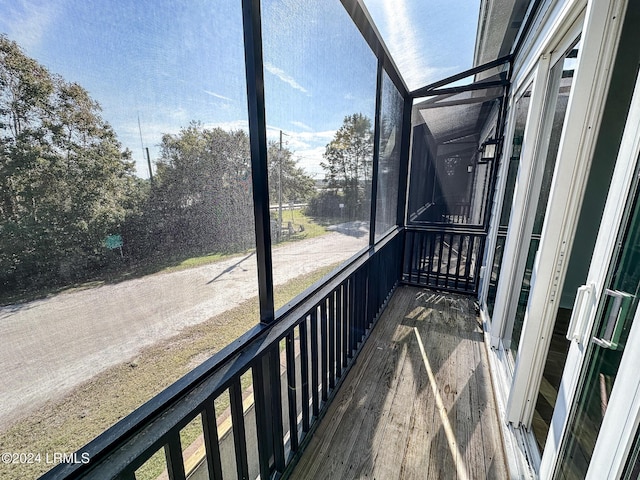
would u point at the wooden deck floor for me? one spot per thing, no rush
(417, 404)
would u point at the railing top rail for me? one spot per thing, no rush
(447, 228)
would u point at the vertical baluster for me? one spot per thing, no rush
(449, 261)
(324, 347)
(275, 396)
(173, 455)
(126, 475)
(239, 436)
(304, 374)
(291, 391)
(432, 252)
(332, 340)
(357, 300)
(408, 257)
(211, 441)
(439, 271)
(368, 306)
(476, 273)
(458, 256)
(339, 350)
(470, 248)
(422, 263)
(345, 323)
(352, 315)
(314, 362)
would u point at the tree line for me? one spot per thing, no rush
(67, 184)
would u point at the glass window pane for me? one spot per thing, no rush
(520, 119)
(320, 89)
(614, 320)
(561, 80)
(389, 159)
(115, 284)
(632, 467)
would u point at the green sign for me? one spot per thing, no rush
(113, 241)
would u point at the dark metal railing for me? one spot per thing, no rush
(296, 365)
(446, 213)
(444, 259)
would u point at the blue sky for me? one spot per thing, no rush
(168, 63)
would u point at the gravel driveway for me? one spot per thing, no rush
(50, 346)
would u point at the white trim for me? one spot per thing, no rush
(496, 208)
(525, 205)
(546, 34)
(520, 461)
(599, 45)
(584, 113)
(511, 248)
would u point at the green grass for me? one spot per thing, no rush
(67, 424)
(311, 227)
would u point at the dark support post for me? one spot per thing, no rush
(376, 155)
(304, 374)
(275, 413)
(292, 390)
(324, 351)
(211, 441)
(315, 383)
(258, 142)
(268, 407)
(501, 121)
(173, 455)
(403, 176)
(239, 433)
(332, 341)
(404, 160)
(345, 319)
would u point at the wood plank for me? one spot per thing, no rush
(391, 439)
(443, 340)
(338, 428)
(385, 421)
(373, 403)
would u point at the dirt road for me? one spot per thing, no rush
(49, 346)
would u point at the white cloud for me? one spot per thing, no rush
(26, 22)
(408, 41)
(301, 125)
(284, 76)
(217, 95)
(307, 147)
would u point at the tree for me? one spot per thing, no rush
(64, 178)
(202, 198)
(297, 186)
(348, 164)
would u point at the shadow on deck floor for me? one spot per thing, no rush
(417, 404)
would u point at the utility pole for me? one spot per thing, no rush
(280, 188)
(149, 163)
(145, 151)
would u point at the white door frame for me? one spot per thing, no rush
(603, 251)
(603, 21)
(554, 37)
(499, 201)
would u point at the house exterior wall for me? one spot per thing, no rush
(591, 145)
